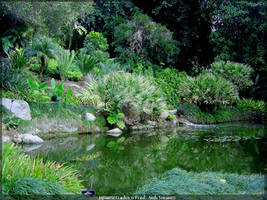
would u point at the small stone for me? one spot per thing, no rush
(164, 115)
(5, 139)
(115, 130)
(90, 117)
(90, 147)
(174, 112)
(223, 180)
(164, 139)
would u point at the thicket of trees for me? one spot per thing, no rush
(195, 32)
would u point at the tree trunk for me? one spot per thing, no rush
(42, 67)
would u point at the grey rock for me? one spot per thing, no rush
(90, 117)
(164, 115)
(90, 147)
(19, 108)
(46, 125)
(164, 139)
(27, 139)
(17, 138)
(174, 112)
(115, 130)
(5, 139)
(31, 139)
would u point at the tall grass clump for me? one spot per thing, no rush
(208, 90)
(239, 74)
(118, 89)
(17, 165)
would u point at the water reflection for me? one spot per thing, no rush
(147, 155)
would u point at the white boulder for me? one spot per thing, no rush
(19, 108)
(90, 117)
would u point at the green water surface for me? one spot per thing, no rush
(227, 148)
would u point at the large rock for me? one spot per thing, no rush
(19, 108)
(90, 117)
(27, 139)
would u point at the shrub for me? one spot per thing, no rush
(17, 165)
(96, 40)
(65, 60)
(117, 89)
(17, 59)
(109, 66)
(251, 105)
(86, 62)
(237, 73)
(52, 67)
(95, 44)
(35, 186)
(170, 81)
(208, 90)
(144, 38)
(74, 75)
(15, 83)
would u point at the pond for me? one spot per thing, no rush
(122, 168)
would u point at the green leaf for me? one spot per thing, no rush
(31, 84)
(60, 86)
(121, 115)
(120, 140)
(60, 94)
(42, 86)
(121, 124)
(69, 92)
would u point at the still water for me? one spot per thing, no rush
(121, 167)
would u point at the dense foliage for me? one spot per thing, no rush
(16, 165)
(144, 39)
(118, 89)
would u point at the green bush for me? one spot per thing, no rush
(86, 62)
(170, 81)
(17, 165)
(65, 60)
(96, 40)
(52, 67)
(95, 44)
(146, 39)
(74, 75)
(237, 73)
(17, 59)
(251, 105)
(35, 186)
(117, 89)
(208, 90)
